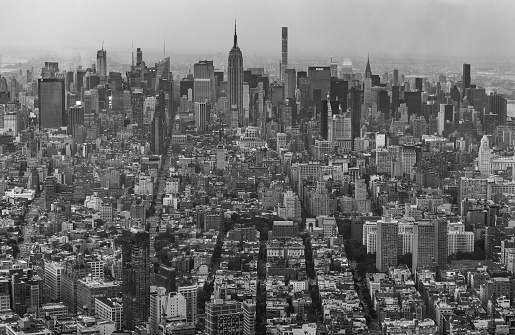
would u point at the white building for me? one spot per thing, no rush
(165, 305)
(110, 309)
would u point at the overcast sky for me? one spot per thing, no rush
(445, 28)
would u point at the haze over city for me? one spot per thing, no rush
(396, 28)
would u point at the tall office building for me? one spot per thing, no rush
(75, 117)
(284, 59)
(324, 113)
(414, 103)
(355, 113)
(498, 105)
(137, 98)
(136, 277)
(466, 78)
(52, 106)
(205, 69)
(202, 90)
(429, 244)
(319, 79)
(102, 64)
(162, 73)
(202, 115)
(290, 83)
(387, 244)
(235, 76)
(395, 77)
(53, 276)
(224, 317)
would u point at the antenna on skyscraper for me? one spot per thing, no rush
(102, 45)
(132, 51)
(164, 47)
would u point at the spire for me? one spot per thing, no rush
(368, 71)
(235, 36)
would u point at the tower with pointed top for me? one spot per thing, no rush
(484, 156)
(368, 71)
(235, 79)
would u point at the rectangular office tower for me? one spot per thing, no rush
(387, 244)
(52, 106)
(136, 277)
(284, 60)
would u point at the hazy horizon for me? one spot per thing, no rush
(454, 29)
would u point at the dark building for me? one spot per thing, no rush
(166, 277)
(185, 85)
(356, 113)
(456, 95)
(301, 74)
(383, 102)
(75, 118)
(395, 99)
(115, 81)
(79, 81)
(317, 101)
(136, 277)
(448, 113)
(418, 84)
(466, 78)
(52, 105)
(137, 99)
(69, 81)
(498, 105)
(413, 101)
(324, 120)
(339, 91)
(319, 79)
(477, 97)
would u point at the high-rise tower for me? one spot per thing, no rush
(52, 107)
(136, 277)
(284, 61)
(102, 63)
(368, 70)
(235, 76)
(466, 78)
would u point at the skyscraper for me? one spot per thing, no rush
(75, 117)
(235, 76)
(136, 277)
(137, 98)
(52, 105)
(498, 105)
(290, 83)
(466, 78)
(368, 70)
(202, 116)
(205, 69)
(284, 61)
(162, 72)
(429, 244)
(102, 63)
(387, 244)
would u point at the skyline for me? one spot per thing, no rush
(456, 29)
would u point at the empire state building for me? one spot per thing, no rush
(235, 79)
